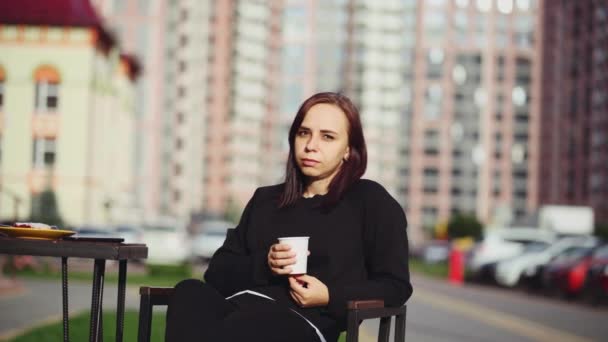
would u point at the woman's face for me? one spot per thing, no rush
(321, 142)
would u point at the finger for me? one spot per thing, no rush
(281, 271)
(296, 297)
(307, 278)
(278, 247)
(282, 255)
(282, 262)
(308, 253)
(296, 286)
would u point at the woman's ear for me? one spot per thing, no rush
(346, 154)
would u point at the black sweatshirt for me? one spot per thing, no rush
(358, 249)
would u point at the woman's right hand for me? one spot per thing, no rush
(280, 257)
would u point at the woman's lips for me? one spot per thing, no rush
(309, 162)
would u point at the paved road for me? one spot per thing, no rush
(437, 312)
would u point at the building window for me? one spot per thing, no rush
(47, 89)
(1, 94)
(181, 91)
(43, 153)
(429, 215)
(183, 40)
(47, 98)
(119, 6)
(2, 77)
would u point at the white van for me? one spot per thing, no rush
(503, 243)
(168, 242)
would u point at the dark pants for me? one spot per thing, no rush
(197, 312)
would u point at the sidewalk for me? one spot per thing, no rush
(18, 314)
(10, 287)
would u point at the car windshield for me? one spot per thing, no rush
(125, 229)
(160, 228)
(601, 253)
(215, 232)
(535, 247)
(93, 231)
(572, 254)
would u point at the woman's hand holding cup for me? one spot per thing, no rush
(280, 257)
(289, 256)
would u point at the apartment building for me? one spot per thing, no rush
(449, 94)
(574, 108)
(171, 39)
(67, 114)
(242, 102)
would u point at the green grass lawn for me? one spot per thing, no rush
(79, 329)
(438, 270)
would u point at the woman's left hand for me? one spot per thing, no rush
(308, 291)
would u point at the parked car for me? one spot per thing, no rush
(566, 274)
(130, 234)
(210, 239)
(596, 285)
(168, 242)
(509, 272)
(502, 244)
(435, 251)
(94, 232)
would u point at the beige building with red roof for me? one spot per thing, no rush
(66, 113)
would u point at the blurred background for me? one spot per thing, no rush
(140, 113)
(155, 120)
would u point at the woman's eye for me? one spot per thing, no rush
(328, 137)
(302, 133)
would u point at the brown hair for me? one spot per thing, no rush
(349, 172)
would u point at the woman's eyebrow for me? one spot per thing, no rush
(324, 131)
(328, 131)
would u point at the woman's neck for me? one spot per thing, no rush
(316, 187)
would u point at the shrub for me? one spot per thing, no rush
(463, 225)
(601, 231)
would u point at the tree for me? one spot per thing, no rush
(233, 211)
(45, 208)
(601, 230)
(463, 225)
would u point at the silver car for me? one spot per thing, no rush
(210, 239)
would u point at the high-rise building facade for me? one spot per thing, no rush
(242, 101)
(468, 135)
(171, 40)
(574, 112)
(380, 40)
(183, 128)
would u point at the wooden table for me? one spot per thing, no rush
(97, 250)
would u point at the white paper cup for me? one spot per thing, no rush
(299, 245)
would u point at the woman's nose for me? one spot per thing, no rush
(312, 144)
